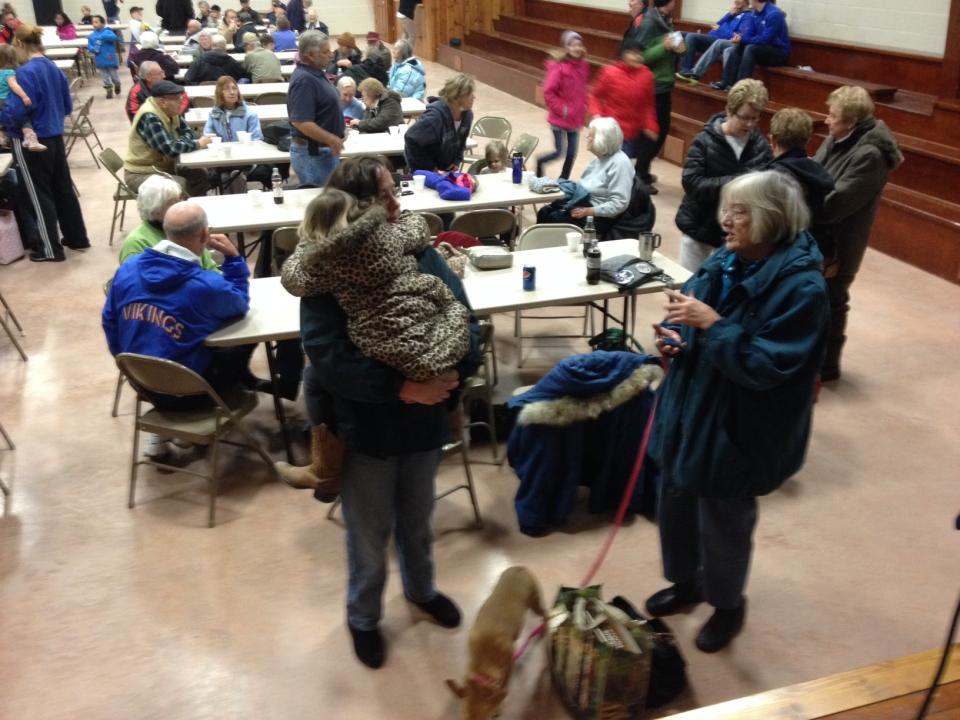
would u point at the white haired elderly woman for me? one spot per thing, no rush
(149, 49)
(607, 180)
(154, 198)
(744, 338)
(350, 106)
(408, 78)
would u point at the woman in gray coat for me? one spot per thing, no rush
(859, 154)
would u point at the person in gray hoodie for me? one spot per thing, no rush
(860, 153)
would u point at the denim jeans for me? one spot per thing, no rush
(109, 76)
(707, 540)
(380, 496)
(312, 169)
(713, 53)
(696, 43)
(572, 142)
(743, 59)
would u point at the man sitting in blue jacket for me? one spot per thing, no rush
(763, 39)
(713, 45)
(163, 303)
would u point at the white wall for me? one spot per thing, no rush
(353, 15)
(917, 26)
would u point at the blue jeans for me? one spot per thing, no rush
(713, 54)
(312, 169)
(381, 496)
(743, 59)
(707, 540)
(572, 140)
(696, 43)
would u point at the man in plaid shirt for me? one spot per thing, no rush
(158, 135)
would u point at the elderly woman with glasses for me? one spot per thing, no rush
(744, 338)
(730, 144)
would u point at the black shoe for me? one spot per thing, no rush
(109, 92)
(116, 90)
(719, 85)
(40, 257)
(721, 628)
(652, 190)
(673, 599)
(78, 246)
(368, 645)
(441, 609)
(651, 179)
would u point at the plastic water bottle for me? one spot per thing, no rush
(277, 183)
(589, 235)
(517, 159)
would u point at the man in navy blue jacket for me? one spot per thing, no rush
(763, 38)
(162, 303)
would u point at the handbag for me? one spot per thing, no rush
(600, 658)
(628, 272)
(11, 246)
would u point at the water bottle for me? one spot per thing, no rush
(589, 235)
(517, 159)
(277, 183)
(593, 263)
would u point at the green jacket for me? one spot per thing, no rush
(145, 236)
(649, 38)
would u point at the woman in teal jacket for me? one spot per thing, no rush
(746, 337)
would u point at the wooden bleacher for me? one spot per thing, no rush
(504, 43)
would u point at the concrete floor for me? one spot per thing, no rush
(111, 613)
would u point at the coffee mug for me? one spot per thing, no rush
(647, 242)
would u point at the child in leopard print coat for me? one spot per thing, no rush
(395, 314)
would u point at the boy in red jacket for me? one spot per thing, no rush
(565, 94)
(624, 91)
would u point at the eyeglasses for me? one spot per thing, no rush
(748, 119)
(737, 211)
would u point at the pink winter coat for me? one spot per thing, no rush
(565, 92)
(67, 32)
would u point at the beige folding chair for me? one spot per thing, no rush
(8, 314)
(433, 222)
(206, 426)
(114, 164)
(202, 102)
(4, 490)
(526, 144)
(491, 127)
(536, 237)
(282, 244)
(480, 387)
(79, 127)
(272, 98)
(487, 224)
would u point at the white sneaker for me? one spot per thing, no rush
(155, 447)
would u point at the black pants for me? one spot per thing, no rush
(46, 177)
(744, 58)
(648, 149)
(840, 276)
(227, 371)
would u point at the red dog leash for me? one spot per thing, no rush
(618, 520)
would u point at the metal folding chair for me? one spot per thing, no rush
(114, 164)
(8, 314)
(81, 128)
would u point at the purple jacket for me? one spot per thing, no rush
(565, 92)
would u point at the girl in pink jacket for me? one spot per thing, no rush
(565, 93)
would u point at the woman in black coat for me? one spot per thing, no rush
(729, 145)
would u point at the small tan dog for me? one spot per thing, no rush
(494, 632)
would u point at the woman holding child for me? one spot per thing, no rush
(387, 401)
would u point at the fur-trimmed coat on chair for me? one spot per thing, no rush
(582, 424)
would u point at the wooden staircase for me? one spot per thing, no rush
(919, 219)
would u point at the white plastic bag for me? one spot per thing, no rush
(11, 246)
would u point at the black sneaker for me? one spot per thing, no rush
(368, 646)
(109, 92)
(116, 90)
(40, 257)
(721, 628)
(719, 85)
(441, 609)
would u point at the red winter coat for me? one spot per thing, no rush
(626, 94)
(565, 92)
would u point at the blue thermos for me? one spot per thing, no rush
(517, 160)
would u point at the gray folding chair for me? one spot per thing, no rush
(10, 446)
(536, 237)
(491, 127)
(79, 127)
(205, 426)
(487, 224)
(282, 244)
(202, 102)
(433, 222)
(8, 314)
(114, 164)
(272, 98)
